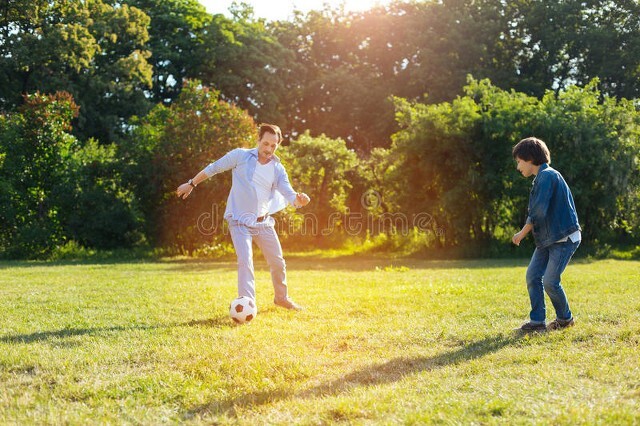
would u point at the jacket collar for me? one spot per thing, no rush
(543, 166)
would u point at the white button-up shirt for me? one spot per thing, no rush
(242, 203)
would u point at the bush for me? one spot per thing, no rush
(97, 210)
(171, 145)
(453, 160)
(54, 190)
(322, 168)
(35, 144)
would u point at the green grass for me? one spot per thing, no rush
(414, 342)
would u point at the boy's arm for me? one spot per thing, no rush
(542, 198)
(523, 233)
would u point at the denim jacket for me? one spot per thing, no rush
(242, 203)
(552, 211)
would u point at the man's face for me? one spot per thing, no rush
(525, 167)
(267, 145)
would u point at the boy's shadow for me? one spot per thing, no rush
(398, 368)
(387, 372)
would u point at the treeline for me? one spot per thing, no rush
(107, 106)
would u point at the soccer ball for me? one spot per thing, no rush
(243, 309)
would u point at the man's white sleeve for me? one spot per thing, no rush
(227, 162)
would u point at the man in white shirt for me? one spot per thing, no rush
(260, 187)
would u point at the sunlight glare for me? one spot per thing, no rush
(283, 9)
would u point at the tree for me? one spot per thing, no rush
(169, 146)
(96, 209)
(457, 157)
(247, 65)
(335, 93)
(353, 63)
(321, 167)
(35, 143)
(93, 50)
(553, 45)
(54, 189)
(177, 41)
(596, 139)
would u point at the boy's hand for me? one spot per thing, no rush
(518, 237)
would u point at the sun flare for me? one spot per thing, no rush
(283, 9)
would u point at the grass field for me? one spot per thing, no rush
(381, 342)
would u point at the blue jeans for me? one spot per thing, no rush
(543, 274)
(265, 236)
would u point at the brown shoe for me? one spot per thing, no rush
(559, 324)
(288, 304)
(532, 326)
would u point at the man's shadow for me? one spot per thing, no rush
(387, 372)
(220, 321)
(44, 336)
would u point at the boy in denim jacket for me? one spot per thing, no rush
(553, 219)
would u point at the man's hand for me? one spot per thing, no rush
(184, 190)
(302, 199)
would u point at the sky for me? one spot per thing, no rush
(283, 9)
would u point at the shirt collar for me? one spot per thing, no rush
(254, 152)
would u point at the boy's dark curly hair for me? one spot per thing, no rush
(532, 149)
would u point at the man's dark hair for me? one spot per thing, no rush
(532, 149)
(270, 128)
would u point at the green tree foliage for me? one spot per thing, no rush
(96, 210)
(329, 71)
(171, 145)
(35, 141)
(93, 50)
(176, 41)
(247, 65)
(329, 75)
(353, 62)
(336, 92)
(440, 171)
(53, 190)
(454, 158)
(557, 44)
(321, 167)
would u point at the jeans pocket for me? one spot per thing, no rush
(569, 248)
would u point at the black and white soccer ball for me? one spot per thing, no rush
(243, 309)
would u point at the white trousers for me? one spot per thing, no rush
(264, 234)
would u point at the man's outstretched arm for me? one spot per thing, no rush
(225, 163)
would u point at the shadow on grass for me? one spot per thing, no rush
(398, 368)
(180, 265)
(300, 260)
(9, 264)
(45, 336)
(199, 267)
(356, 263)
(351, 263)
(379, 374)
